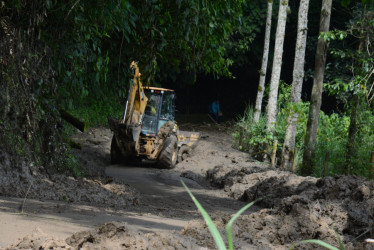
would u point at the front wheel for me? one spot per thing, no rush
(169, 154)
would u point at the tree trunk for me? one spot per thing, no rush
(316, 98)
(353, 128)
(277, 65)
(288, 150)
(265, 56)
(350, 148)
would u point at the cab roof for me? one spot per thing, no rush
(157, 88)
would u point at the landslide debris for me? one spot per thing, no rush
(110, 235)
(20, 179)
(295, 208)
(292, 208)
(38, 240)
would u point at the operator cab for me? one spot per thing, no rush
(160, 109)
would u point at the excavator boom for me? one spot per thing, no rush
(137, 100)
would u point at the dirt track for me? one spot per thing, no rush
(152, 200)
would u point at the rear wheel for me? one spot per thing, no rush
(169, 154)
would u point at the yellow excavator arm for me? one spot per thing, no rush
(137, 100)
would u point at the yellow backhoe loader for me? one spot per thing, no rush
(147, 129)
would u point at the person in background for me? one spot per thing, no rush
(215, 110)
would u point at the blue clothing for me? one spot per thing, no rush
(215, 107)
(215, 111)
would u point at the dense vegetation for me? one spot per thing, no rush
(332, 137)
(74, 55)
(345, 137)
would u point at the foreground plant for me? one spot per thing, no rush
(318, 242)
(322, 243)
(212, 228)
(219, 240)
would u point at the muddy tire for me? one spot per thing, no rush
(169, 155)
(183, 153)
(115, 152)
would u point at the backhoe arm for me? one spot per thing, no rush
(137, 100)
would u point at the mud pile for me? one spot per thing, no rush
(38, 240)
(108, 236)
(295, 208)
(19, 179)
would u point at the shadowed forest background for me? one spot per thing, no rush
(295, 82)
(74, 56)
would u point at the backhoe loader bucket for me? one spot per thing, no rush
(186, 142)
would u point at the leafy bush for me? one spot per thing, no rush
(95, 112)
(254, 138)
(332, 136)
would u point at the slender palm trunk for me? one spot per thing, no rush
(277, 65)
(265, 56)
(353, 129)
(356, 101)
(316, 98)
(288, 150)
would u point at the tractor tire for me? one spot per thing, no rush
(169, 155)
(115, 152)
(183, 153)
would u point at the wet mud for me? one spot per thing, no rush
(289, 208)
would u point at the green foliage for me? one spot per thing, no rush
(219, 240)
(254, 138)
(95, 112)
(75, 55)
(345, 3)
(333, 35)
(95, 41)
(352, 55)
(212, 228)
(251, 24)
(70, 164)
(331, 136)
(230, 242)
(318, 242)
(322, 243)
(13, 142)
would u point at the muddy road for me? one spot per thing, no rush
(158, 201)
(144, 207)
